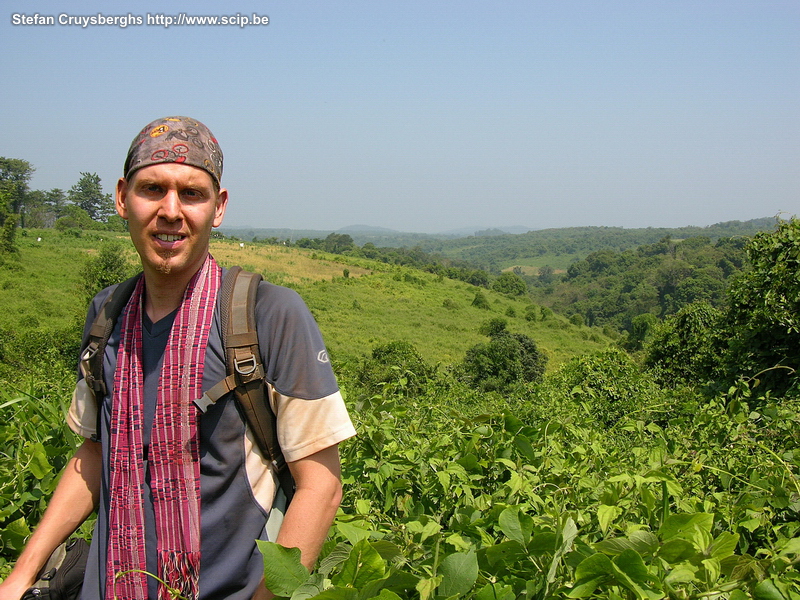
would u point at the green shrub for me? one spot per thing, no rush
(107, 267)
(609, 385)
(510, 284)
(480, 301)
(394, 368)
(507, 359)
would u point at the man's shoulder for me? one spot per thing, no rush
(275, 299)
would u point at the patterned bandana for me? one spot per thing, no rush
(179, 140)
(173, 454)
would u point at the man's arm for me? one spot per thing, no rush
(75, 498)
(317, 496)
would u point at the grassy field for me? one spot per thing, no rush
(358, 303)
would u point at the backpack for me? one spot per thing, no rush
(237, 297)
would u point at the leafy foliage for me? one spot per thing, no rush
(87, 194)
(685, 346)
(510, 283)
(507, 359)
(763, 319)
(394, 366)
(107, 267)
(614, 288)
(756, 336)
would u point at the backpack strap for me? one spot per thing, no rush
(91, 362)
(246, 370)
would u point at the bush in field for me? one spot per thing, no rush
(511, 284)
(610, 385)
(480, 301)
(394, 367)
(107, 267)
(507, 359)
(684, 347)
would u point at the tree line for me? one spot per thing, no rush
(83, 206)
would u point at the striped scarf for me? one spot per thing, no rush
(173, 452)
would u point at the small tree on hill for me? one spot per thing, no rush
(507, 359)
(88, 195)
(105, 268)
(395, 367)
(510, 284)
(8, 225)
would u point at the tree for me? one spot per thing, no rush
(15, 174)
(510, 284)
(508, 358)
(337, 243)
(8, 226)
(88, 195)
(105, 268)
(763, 318)
(74, 218)
(684, 346)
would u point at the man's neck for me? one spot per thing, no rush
(163, 294)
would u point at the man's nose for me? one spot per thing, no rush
(170, 206)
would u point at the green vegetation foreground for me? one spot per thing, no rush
(604, 479)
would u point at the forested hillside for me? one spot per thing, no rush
(558, 248)
(504, 450)
(615, 288)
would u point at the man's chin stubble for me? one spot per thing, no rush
(164, 266)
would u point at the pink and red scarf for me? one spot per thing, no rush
(173, 453)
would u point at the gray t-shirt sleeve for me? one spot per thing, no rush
(295, 359)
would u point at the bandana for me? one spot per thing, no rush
(175, 140)
(173, 452)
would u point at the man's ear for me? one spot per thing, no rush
(121, 198)
(222, 204)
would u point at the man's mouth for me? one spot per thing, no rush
(169, 237)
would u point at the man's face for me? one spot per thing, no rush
(170, 209)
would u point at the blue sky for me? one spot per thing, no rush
(431, 116)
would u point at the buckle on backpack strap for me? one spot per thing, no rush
(245, 366)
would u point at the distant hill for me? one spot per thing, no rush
(559, 248)
(498, 249)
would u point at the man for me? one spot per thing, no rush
(181, 494)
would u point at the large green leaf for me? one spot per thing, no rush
(724, 545)
(685, 525)
(283, 571)
(569, 531)
(363, 565)
(766, 590)
(338, 593)
(677, 550)
(37, 460)
(312, 586)
(352, 533)
(459, 572)
(427, 586)
(631, 572)
(516, 525)
(334, 558)
(643, 542)
(506, 553)
(606, 515)
(592, 572)
(496, 591)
